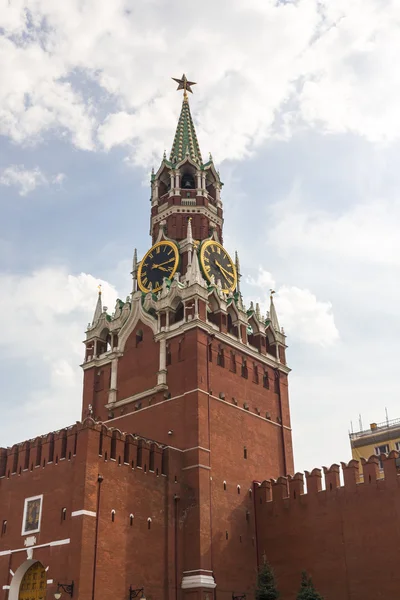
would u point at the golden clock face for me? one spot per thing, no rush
(160, 261)
(216, 261)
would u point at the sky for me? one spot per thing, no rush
(298, 102)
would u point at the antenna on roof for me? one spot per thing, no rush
(360, 422)
(387, 417)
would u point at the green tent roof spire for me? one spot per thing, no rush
(185, 140)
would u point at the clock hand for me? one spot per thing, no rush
(161, 264)
(164, 269)
(221, 268)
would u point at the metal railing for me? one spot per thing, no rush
(377, 427)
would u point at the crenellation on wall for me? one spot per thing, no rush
(291, 488)
(63, 445)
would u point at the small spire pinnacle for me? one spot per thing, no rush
(238, 275)
(134, 270)
(189, 234)
(99, 308)
(272, 312)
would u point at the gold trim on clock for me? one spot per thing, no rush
(154, 272)
(215, 260)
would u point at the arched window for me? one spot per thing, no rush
(187, 181)
(255, 373)
(238, 489)
(180, 349)
(131, 520)
(245, 452)
(266, 380)
(224, 486)
(244, 368)
(149, 523)
(232, 366)
(63, 514)
(169, 355)
(220, 357)
(113, 515)
(139, 337)
(4, 527)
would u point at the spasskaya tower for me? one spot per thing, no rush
(183, 362)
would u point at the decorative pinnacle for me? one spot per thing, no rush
(99, 288)
(184, 84)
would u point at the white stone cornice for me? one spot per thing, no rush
(175, 209)
(101, 360)
(139, 396)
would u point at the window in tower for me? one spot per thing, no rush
(139, 337)
(245, 452)
(149, 523)
(266, 380)
(244, 368)
(276, 383)
(224, 486)
(131, 520)
(232, 366)
(63, 514)
(51, 449)
(4, 527)
(220, 357)
(238, 489)
(113, 515)
(255, 373)
(180, 349)
(188, 182)
(169, 355)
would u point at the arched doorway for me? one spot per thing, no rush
(33, 584)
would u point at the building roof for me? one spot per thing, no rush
(185, 140)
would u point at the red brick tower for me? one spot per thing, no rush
(183, 362)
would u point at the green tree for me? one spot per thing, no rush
(307, 590)
(266, 588)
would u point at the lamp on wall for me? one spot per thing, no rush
(134, 593)
(68, 588)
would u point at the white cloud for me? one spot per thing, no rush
(47, 313)
(365, 232)
(305, 318)
(27, 180)
(325, 63)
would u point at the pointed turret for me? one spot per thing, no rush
(272, 314)
(185, 140)
(98, 310)
(134, 270)
(238, 275)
